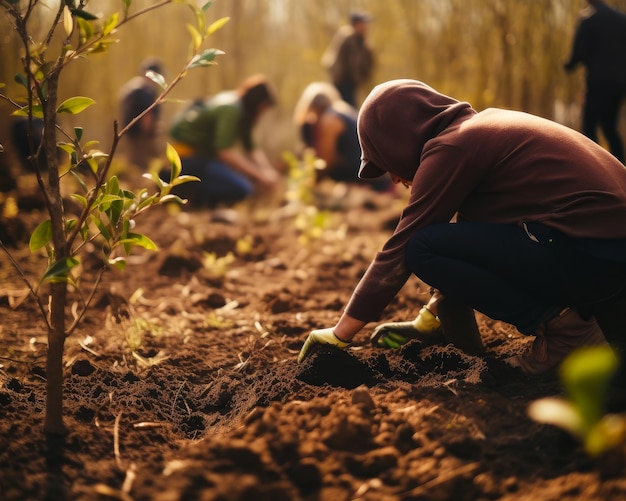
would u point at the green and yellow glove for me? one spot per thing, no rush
(395, 334)
(321, 336)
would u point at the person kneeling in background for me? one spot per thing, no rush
(327, 125)
(214, 140)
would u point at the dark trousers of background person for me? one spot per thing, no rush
(602, 108)
(219, 184)
(522, 275)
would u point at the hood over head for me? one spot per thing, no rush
(396, 120)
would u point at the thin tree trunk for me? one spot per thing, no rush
(53, 423)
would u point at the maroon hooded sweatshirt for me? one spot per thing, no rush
(496, 166)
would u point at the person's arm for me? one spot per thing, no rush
(348, 327)
(267, 171)
(580, 47)
(254, 165)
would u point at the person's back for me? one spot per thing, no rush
(207, 126)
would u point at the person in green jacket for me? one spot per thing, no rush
(214, 138)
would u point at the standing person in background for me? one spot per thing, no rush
(214, 138)
(327, 124)
(600, 45)
(349, 59)
(135, 97)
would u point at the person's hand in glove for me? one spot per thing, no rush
(321, 336)
(395, 334)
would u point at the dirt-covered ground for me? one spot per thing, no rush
(182, 381)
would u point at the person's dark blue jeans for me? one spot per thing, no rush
(219, 183)
(522, 275)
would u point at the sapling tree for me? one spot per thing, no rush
(107, 211)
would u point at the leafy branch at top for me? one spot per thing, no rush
(107, 211)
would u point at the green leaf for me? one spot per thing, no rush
(586, 374)
(557, 412)
(41, 236)
(147, 202)
(80, 199)
(113, 186)
(216, 25)
(110, 24)
(102, 228)
(59, 270)
(68, 21)
(118, 262)
(172, 198)
(154, 176)
(75, 105)
(204, 59)
(93, 165)
(79, 132)
(85, 29)
(174, 159)
(157, 78)
(80, 180)
(140, 240)
(21, 79)
(206, 6)
(184, 179)
(196, 37)
(36, 111)
(68, 148)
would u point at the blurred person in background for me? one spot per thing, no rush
(349, 59)
(327, 124)
(600, 46)
(214, 138)
(135, 97)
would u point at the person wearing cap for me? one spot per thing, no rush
(510, 214)
(349, 59)
(135, 97)
(214, 138)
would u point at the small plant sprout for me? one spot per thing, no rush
(586, 375)
(310, 221)
(244, 245)
(216, 267)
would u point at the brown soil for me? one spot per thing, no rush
(182, 382)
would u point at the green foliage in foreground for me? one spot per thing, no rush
(586, 375)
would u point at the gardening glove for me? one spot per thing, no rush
(396, 334)
(321, 336)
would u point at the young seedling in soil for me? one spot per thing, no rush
(106, 211)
